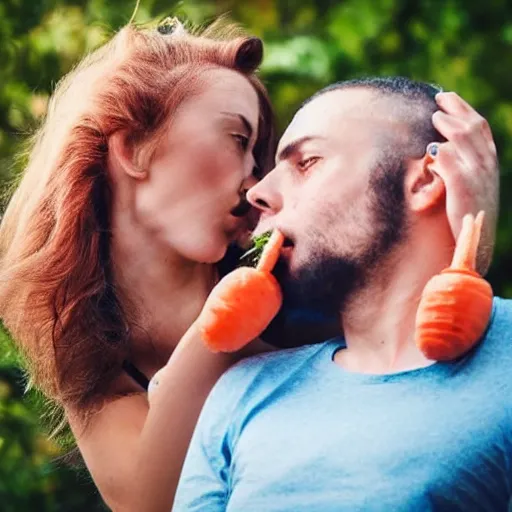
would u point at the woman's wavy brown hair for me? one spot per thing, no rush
(57, 296)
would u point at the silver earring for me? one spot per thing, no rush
(433, 149)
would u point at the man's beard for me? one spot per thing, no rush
(323, 285)
(329, 281)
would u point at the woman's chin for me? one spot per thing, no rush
(210, 250)
(212, 253)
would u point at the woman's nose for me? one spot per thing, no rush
(249, 182)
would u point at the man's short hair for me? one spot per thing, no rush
(413, 103)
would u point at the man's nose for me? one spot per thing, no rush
(264, 195)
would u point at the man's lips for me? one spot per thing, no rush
(265, 227)
(289, 240)
(286, 252)
(288, 246)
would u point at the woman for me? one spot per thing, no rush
(133, 191)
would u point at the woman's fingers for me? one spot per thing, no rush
(468, 164)
(452, 104)
(469, 140)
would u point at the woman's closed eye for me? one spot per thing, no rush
(306, 163)
(242, 140)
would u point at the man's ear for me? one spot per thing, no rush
(122, 154)
(424, 188)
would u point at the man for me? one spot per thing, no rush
(364, 422)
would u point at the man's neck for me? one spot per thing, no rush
(379, 323)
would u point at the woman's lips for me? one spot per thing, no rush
(245, 218)
(242, 228)
(241, 209)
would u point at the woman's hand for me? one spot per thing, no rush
(468, 165)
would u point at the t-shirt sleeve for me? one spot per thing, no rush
(204, 481)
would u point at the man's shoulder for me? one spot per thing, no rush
(273, 361)
(497, 342)
(503, 307)
(501, 320)
(264, 371)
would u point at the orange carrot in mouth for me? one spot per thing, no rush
(271, 252)
(456, 305)
(243, 303)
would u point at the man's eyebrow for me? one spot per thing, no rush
(244, 120)
(294, 147)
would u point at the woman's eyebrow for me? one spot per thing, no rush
(244, 120)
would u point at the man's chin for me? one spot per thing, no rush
(300, 293)
(322, 285)
(290, 283)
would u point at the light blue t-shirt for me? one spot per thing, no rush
(293, 431)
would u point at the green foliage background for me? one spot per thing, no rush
(462, 45)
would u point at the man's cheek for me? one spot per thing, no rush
(303, 253)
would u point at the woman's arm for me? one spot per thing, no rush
(135, 451)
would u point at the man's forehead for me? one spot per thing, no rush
(334, 111)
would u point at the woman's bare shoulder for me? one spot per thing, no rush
(125, 400)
